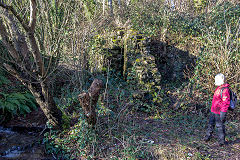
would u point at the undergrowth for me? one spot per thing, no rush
(15, 100)
(124, 132)
(134, 129)
(172, 129)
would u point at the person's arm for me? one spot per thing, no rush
(225, 100)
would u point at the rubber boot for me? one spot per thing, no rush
(221, 134)
(221, 128)
(209, 133)
(211, 125)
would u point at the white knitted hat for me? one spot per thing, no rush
(219, 79)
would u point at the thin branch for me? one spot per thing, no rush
(10, 8)
(35, 49)
(19, 49)
(5, 41)
(18, 38)
(30, 33)
(15, 30)
(13, 72)
(32, 22)
(36, 54)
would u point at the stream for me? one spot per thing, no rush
(22, 143)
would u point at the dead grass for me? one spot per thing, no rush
(141, 136)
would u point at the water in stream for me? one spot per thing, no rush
(21, 145)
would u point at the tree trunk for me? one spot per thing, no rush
(47, 104)
(110, 7)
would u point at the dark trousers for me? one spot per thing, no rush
(216, 119)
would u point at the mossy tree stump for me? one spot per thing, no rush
(88, 101)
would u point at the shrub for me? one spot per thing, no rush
(19, 103)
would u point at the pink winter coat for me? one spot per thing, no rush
(220, 104)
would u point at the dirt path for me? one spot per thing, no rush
(181, 137)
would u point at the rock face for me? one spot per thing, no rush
(117, 59)
(144, 74)
(130, 55)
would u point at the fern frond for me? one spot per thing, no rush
(3, 80)
(25, 108)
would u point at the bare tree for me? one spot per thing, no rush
(26, 62)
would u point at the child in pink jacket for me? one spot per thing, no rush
(220, 104)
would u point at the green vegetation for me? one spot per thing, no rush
(17, 102)
(158, 66)
(14, 99)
